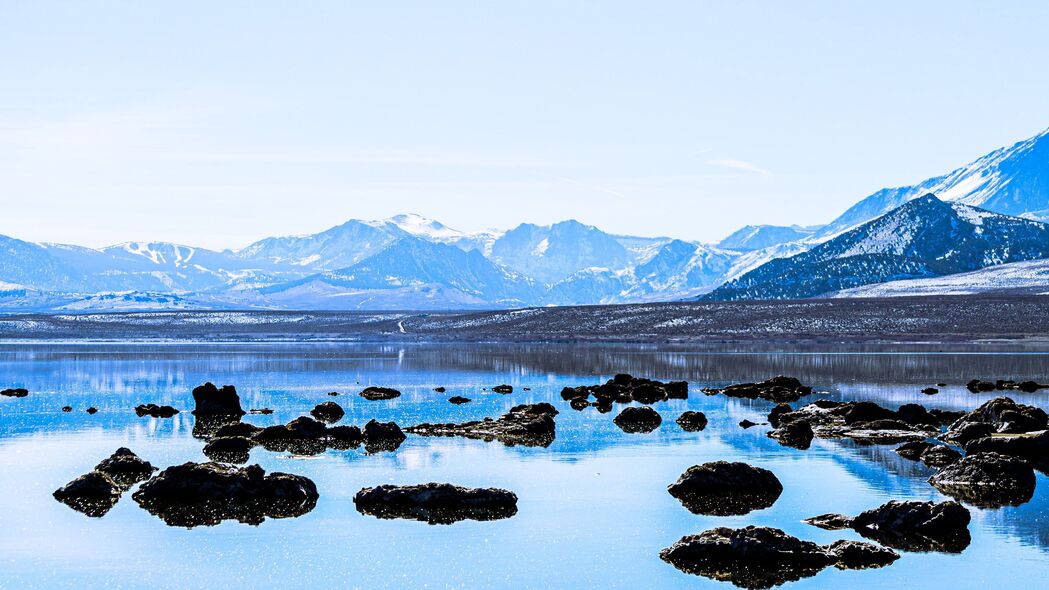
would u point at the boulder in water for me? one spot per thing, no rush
(722, 488)
(436, 503)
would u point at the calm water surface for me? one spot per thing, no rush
(593, 508)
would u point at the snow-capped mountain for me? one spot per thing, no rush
(555, 252)
(759, 237)
(1012, 180)
(925, 237)
(1030, 278)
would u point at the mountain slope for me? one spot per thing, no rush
(552, 253)
(757, 237)
(1030, 277)
(923, 238)
(1012, 180)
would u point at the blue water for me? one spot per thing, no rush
(593, 509)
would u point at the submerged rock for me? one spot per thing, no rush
(636, 419)
(916, 526)
(797, 434)
(777, 389)
(382, 436)
(379, 393)
(690, 421)
(436, 503)
(721, 488)
(503, 389)
(328, 412)
(155, 411)
(15, 392)
(229, 449)
(439, 389)
(987, 479)
(67, 408)
(1032, 447)
(624, 388)
(856, 555)
(751, 557)
(527, 424)
(930, 391)
(195, 494)
(939, 456)
(913, 450)
(212, 401)
(125, 468)
(92, 410)
(830, 521)
(1004, 416)
(459, 400)
(92, 494)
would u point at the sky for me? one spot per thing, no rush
(215, 124)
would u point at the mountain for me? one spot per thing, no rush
(925, 237)
(1031, 278)
(1012, 180)
(758, 237)
(555, 252)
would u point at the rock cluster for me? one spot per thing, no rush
(436, 503)
(155, 411)
(777, 389)
(864, 422)
(987, 479)
(14, 392)
(527, 424)
(623, 389)
(908, 526)
(978, 386)
(95, 493)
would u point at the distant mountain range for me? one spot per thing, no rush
(979, 216)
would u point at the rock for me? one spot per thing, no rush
(436, 503)
(228, 449)
(439, 389)
(205, 427)
(917, 415)
(333, 393)
(379, 393)
(941, 385)
(987, 480)
(916, 526)
(67, 408)
(830, 521)
(328, 412)
(777, 389)
(747, 423)
(690, 421)
(125, 468)
(867, 412)
(92, 494)
(624, 388)
(829, 419)
(797, 434)
(458, 400)
(261, 411)
(721, 488)
(382, 436)
(778, 411)
(962, 433)
(503, 389)
(1004, 415)
(579, 404)
(940, 456)
(913, 450)
(212, 401)
(1030, 386)
(855, 555)
(946, 417)
(92, 410)
(155, 411)
(751, 557)
(195, 494)
(16, 392)
(306, 436)
(1032, 447)
(977, 386)
(242, 429)
(635, 419)
(930, 391)
(527, 424)
(883, 424)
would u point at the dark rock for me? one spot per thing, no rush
(830, 521)
(579, 404)
(155, 411)
(941, 385)
(635, 419)
(503, 389)
(344, 437)
(940, 456)
(916, 415)
(527, 424)
(1030, 386)
(962, 433)
(205, 427)
(1002, 384)
(125, 468)
(913, 450)
(458, 400)
(436, 503)
(855, 555)
(333, 393)
(228, 449)
(987, 480)
(439, 389)
(829, 420)
(930, 391)
(1032, 447)
(92, 410)
(195, 494)
(946, 417)
(777, 389)
(751, 557)
(690, 421)
(796, 434)
(977, 386)
(306, 436)
(16, 392)
(1004, 415)
(67, 408)
(624, 388)
(721, 488)
(883, 424)
(916, 526)
(261, 411)
(379, 393)
(382, 436)
(747, 423)
(867, 412)
(93, 494)
(212, 401)
(328, 412)
(242, 429)
(778, 411)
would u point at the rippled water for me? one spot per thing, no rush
(593, 508)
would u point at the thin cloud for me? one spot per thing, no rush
(740, 165)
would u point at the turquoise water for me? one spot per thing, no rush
(593, 508)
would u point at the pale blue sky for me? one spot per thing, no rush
(217, 123)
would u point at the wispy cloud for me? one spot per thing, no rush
(740, 165)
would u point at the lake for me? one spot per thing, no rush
(593, 507)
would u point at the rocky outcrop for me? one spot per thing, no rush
(939, 456)
(328, 412)
(762, 557)
(777, 389)
(1004, 416)
(978, 386)
(92, 494)
(1032, 447)
(196, 494)
(504, 389)
(624, 388)
(382, 436)
(125, 468)
(527, 424)
(14, 392)
(305, 436)
(987, 480)
(916, 526)
(797, 434)
(379, 393)
(229, 449)
(691, 421)
(155, 411)
(721, 488)
(458, 400)
(638, 419)
(864, 422)
(436, 503)
(212, 401)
